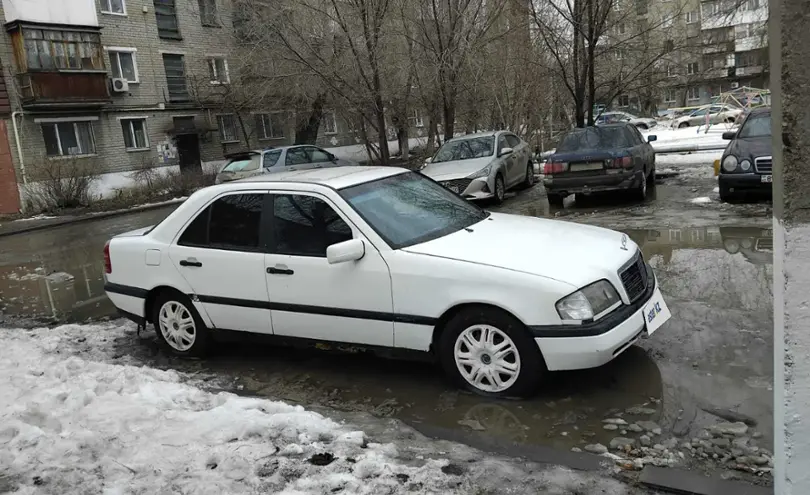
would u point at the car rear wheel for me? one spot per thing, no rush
(178, 326)
(683, 124)
(490, 353)
(500, 190)
(528, 179)
(641, 189)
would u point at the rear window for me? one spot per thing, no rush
(243, 164)
(756, 126)
(594, 138)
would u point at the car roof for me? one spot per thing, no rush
(334, 177)
(237, 154)
(476, 135)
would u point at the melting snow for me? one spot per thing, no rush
(702, 200)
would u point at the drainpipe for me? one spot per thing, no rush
(19, 147)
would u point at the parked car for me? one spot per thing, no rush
(717, 114)
(746, 165)
(611, 157)
(482, 166)
(386, 258)
(617, 117)
(245, 164)
(756, 245)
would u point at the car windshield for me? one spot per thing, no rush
(243, 164)
(465, 149)
(594, 138)
(756, 126)
(408, 208)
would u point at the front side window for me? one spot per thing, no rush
(317, 155)
(306, 226)
(296, 156)
(231, 223)
(227, 129)
(135, 134)
(122, 65)
(756, 126)
(465, 149)
(502, 143)
(408, 208)
(69, 138)
(513, 140)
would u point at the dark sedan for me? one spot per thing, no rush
(612, 157)
(746, 165)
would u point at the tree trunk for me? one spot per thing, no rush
(449, 109)
(402, 138)
(245, 132)
(590, 60)
(306, 130)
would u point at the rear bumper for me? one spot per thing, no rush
(739, 183)
(592, 184)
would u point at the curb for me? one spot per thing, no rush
(89, 218)
(692, 483)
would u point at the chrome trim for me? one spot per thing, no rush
(763, 158)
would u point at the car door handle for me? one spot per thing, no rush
(279, 271)
(190, 263)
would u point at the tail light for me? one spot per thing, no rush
(107, 260)
(621, 162)
(554, 168)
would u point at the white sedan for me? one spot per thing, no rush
(387, 258)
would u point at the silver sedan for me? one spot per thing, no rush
(482, 166)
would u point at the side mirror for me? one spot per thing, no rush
(351, 250)
(332, 158)
(729, 135)
(505, 151)
(428, 160)
(652, 138)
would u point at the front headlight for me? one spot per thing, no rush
(484, 172)
(588, 302)
(730, 163)
(745, 165)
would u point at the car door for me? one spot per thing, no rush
(220, 253)
(645, 149)
(521, 157)
(345, 302)
(296, 156)
(508, 161)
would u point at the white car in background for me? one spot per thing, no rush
(386, 258)
(716, 114)
(482, 166)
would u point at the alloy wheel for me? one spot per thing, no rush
(487, 358)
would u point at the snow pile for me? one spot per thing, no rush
(701, 200)
(68, 423)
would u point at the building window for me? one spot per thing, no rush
(416, 119)
(270, 125)
(692, 68)
(641, 7)
(693, 93)
(175, 68)
(166, 16)
(692, 17)
(218, 70)
(113, 7)
(670, 96)
(135, 134)
(669, 46)
(667, 21)
(208, 13)
(68, 138)
(227, 128)
(619, 54)
(621, 28)
(51, 49)
(123, 64)
(710, 9)
(671, 71)
(624, 100)
(329, 123)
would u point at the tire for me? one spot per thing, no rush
(178, 326)
(468, 347)
(528, 179)
(641, 190)
(500, 190)
(683, 125)
(651, 178)
(555, 199)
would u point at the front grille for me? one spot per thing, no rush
(461, 184)
(765, 244)
(763, 165)
(634, 278)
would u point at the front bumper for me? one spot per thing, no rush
(593, 184)
(472, 189)
(595, 344)
(741, 183)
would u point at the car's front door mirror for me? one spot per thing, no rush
(351, 250)
(505, 151)
(651, 138)
(729, 135)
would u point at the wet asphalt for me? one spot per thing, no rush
(713, 359)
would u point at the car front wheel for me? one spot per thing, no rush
(178, 326)
(500, 189)
(490, 353)
(528, 179)
(683, 125)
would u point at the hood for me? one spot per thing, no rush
(456, 169)
(750, 148)
(573, 253)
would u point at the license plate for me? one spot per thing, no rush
(656, 312)
(577, 167)
(767, 178)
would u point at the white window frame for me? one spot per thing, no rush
(64, 121)
(264, 136)
(670, 96)
(671, 71)
(129, 121)
(619, 101)
(123, 49)
(212, 66)
(221, 125)
(689, 93)
(619, 54)
(689, 68)
(329, 116)
(418, 120)
(693, 17)
(106, 8)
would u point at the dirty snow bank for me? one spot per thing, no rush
(72, 423)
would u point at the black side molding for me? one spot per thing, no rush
(125, 290)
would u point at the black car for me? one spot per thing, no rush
(746, 165)
(611, 157)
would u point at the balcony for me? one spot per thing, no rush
(63, 89)
(726, 46)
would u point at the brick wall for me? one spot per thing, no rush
(9, 192)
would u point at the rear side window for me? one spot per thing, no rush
(232, 222)
(271, 158)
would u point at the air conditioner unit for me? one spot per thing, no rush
(119, 85)
(735, 85)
